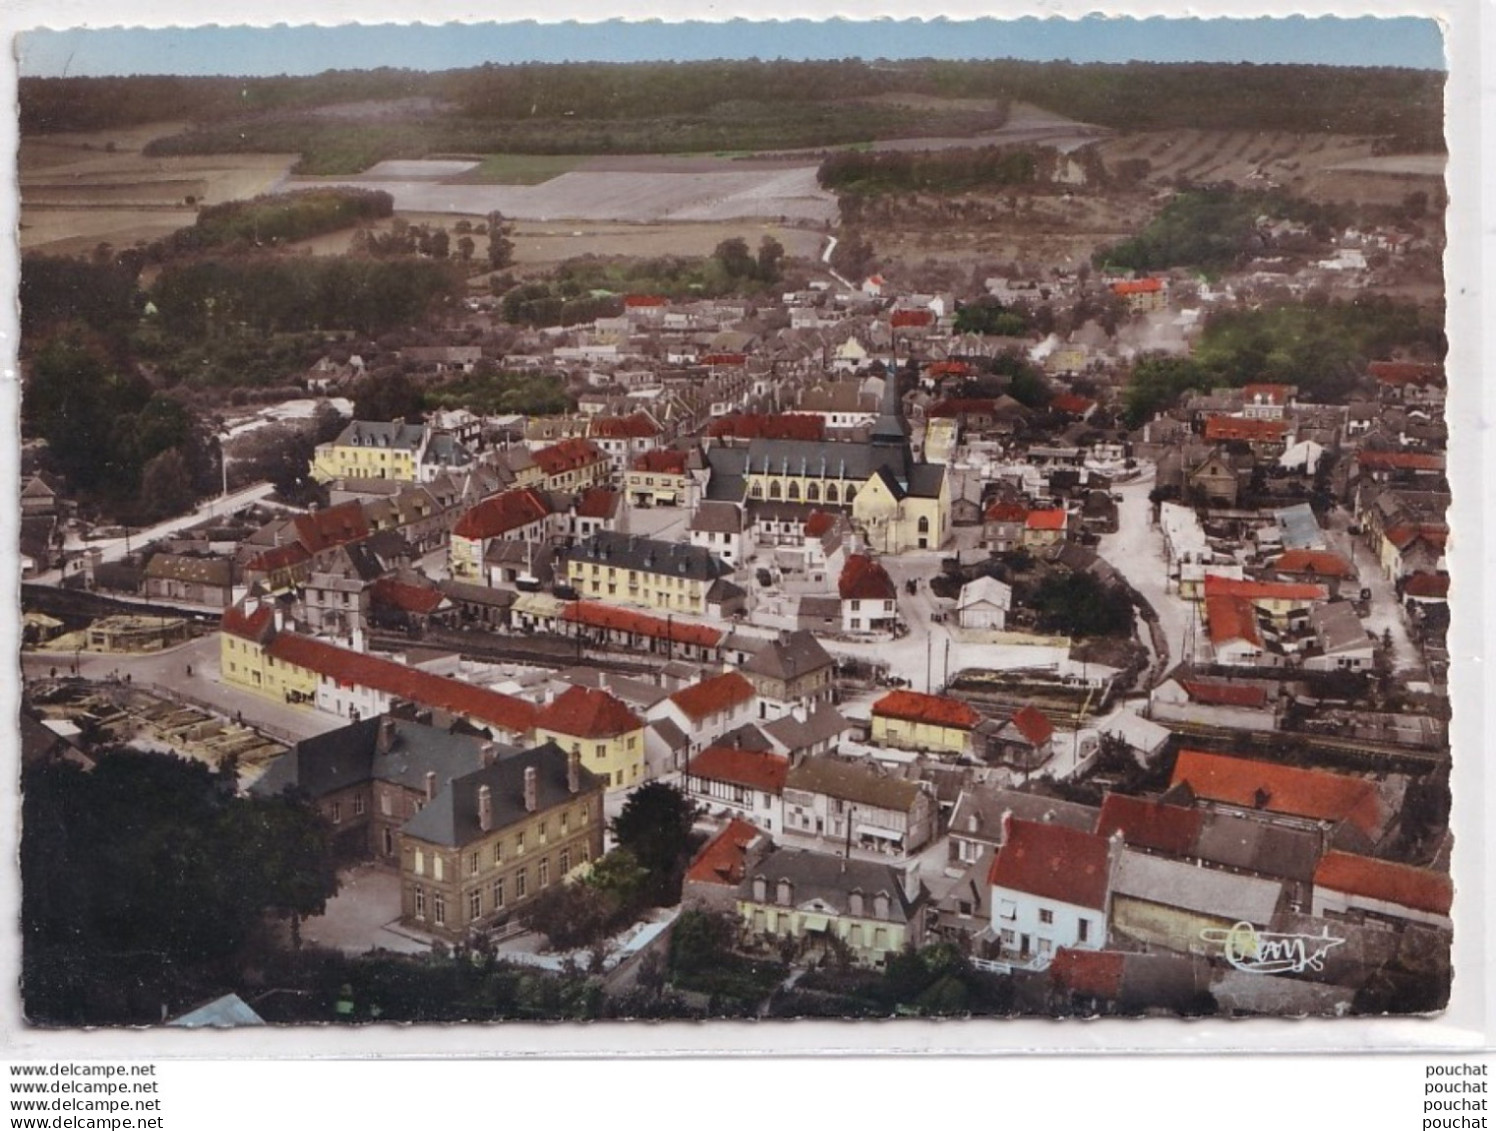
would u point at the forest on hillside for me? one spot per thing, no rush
(723, 106)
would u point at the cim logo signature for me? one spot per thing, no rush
(1268, 952)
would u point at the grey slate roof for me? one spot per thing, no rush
(1257, 846)
(349, 755)
(717, 518)
(451, 818)
(650, 555)
(1207, 891)
(986, 807)
(789, 657)
(382, 434)
(832, 880)
(826, 723)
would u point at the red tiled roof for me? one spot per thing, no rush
(334, 526)
(1000, 511)
(644, 300)
(1053, 862)
(1434, 533)
(1138, 286)
(1314, 794)
(587, 712)
(495, 517)
(818, 524)
(595, 615)
(1244, 428)
(911, 318)
(1218, 586)
(1402, 884)
(723, 860)
(250, 626)
(960, 406)
(412, 684)
(635, 426)
(1406, 372)
(1149, 824)
(1033, 725)
(1400, 461)
(753, 769)
(1272, 394)
(724, 359)
(776, 426)
(279, 557)
(1094, 973)
(405, 596)
(710, 696)
(664, 461)
(1072, 403)
(567, 455)
(936, 710)
(597, 502)
(1052, 519)
(1322, 562)
(1232, 618)
(949, 369)
(1424, 584)
(864, 578)
(1224, 694)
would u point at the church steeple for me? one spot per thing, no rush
(891, 431)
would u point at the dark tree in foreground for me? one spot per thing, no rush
(655, 825)
(142, 879)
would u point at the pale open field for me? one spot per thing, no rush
(76, 192)
(644, 196)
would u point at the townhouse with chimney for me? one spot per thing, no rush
(493, 839)
(744, 782)
(707, 710)
(792, 670)
(522, 514)
(572, 465)
(368, 778)
(873, 908)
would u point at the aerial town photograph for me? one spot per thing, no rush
(724, 537)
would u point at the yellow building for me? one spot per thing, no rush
(941, 435)
(814, 897)
(620, 569)
(599, 727)
(372, 450)
(488, 842)
(913, 721)
(659, 479)
(244, 658)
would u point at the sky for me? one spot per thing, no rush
(1401, 42)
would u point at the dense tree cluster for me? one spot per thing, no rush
(1077, 604)
(655, 826)
(1215, 229)
(271, 295)
(1320, 347)
(147, 871)
(931, 171)
(989, 316)
(281, 218)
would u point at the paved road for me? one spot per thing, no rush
(1136, 550)
(1386, 612)
(113, 549)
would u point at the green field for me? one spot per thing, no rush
(520, 168)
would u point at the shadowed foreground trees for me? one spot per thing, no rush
(144, 878)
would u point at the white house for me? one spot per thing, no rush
(707, 710)
(984, 603)
(718, 528)
(741, 783)
(1051, 887)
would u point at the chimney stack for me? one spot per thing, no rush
(532, 796)
(485, 808)
(489, 752)
(430, 785)
(386, 740)
(574, 772)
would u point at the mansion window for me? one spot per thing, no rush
(420, 903)
(498, 894)
(520, 881)
(475, 904)
(439, 908)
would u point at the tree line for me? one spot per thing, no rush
(932, 171)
